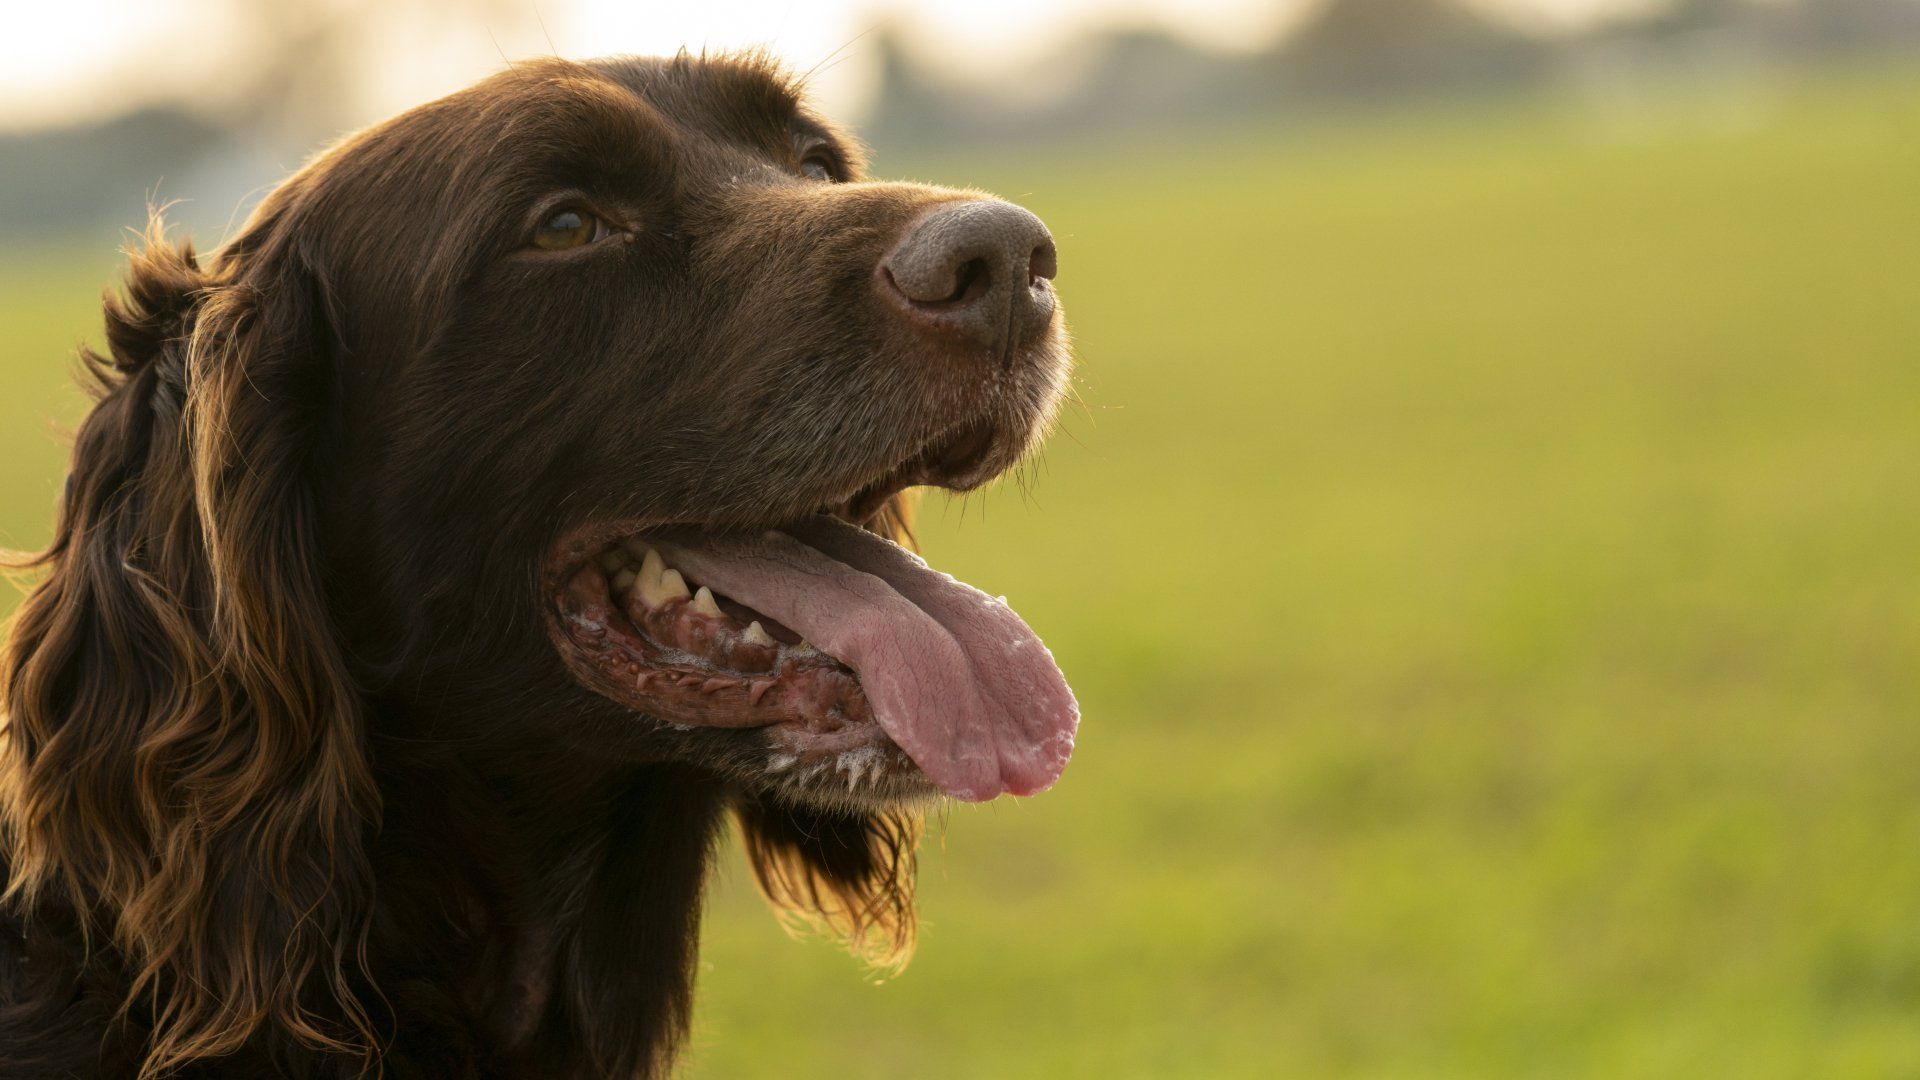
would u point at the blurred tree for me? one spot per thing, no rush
(1388, 48)
(296, 75)
(305, 66)
(62, 181)
(1119, 78)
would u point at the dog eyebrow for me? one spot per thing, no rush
(807, 131)
(810, 132)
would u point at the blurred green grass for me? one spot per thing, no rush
(1486, 553)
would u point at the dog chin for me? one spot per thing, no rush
(876, 776)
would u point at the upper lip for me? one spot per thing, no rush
(954, 458)
(951, 459)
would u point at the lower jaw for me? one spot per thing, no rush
(694, 661)
(846, 771)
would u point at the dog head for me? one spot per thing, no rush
(562, 420)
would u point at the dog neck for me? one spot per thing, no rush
(572, 909)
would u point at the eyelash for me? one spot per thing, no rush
(827, 162)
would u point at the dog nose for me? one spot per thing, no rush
(981, 270)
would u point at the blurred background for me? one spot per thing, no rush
(1486, 546)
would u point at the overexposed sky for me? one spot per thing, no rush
(62, 60)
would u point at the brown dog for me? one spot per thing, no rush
(449, 553)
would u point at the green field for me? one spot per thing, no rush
(1488, 555)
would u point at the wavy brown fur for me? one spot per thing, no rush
(183, 751)
(847, 875)
(292, 782)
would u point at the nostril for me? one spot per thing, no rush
(958, 270)
(970, 280)
(1043, 263)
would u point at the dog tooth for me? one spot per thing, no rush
(756, 634)
(757, 689)
(655, 588)
(624, 580)
(645, 678)
(657, 591)
(704, 604)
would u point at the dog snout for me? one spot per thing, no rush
(981, 270)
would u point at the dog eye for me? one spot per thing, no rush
(565, 229)
(818, 167)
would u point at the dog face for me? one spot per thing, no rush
(595, 331)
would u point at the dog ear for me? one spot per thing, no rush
(849, 873)
(184, 759)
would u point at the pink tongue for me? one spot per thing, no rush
(953, 675)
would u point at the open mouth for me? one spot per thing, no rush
(858, 660)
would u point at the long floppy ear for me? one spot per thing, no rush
(847, 872)
(183, 759)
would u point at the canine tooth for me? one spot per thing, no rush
(645, 678)
(704, 604)
(757, 689)
(651, 565)
(611, 561)
(624, 580)
(674, 584)
(756, 634)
